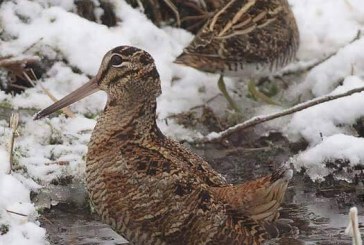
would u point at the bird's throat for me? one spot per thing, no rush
(119, 124)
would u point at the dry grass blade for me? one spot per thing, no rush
(14, 122)
(65, 110)
(18, 68)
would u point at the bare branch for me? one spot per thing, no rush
(260, 119)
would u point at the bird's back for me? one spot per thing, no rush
(245, 37)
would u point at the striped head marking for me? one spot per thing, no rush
(127, 74)
(128, 69)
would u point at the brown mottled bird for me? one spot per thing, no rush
(151, 189)
(247, 38)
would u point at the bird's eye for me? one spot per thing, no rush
(116, 61)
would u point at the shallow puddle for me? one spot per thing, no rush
(69, 224)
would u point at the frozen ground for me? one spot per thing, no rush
(51, 29)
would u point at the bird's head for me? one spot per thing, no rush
(127, 74)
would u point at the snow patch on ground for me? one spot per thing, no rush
(18, 214)
(329, 118)
(338, 146)
(55, 147)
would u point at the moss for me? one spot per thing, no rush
(5, 104)
(41, 210)
(90, 115)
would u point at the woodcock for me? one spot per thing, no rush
(151, 189)
(245, 38)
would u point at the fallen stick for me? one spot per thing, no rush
(211, 137)
(20, 214)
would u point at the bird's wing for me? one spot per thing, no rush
(242, 17)
(260, 198)
(237, 19)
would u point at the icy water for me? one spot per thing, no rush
(317, 211)
(69, 224)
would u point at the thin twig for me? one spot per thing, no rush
(260, 119)
(14, 121)
(206, 103)
(12, 212)
(32, 45)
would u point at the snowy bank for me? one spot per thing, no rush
(51, 29)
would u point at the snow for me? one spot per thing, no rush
(321, 31)
(338, 146)
(347, 62)
(329, 118)
(23, 227)
(4, 160)
(50, 28)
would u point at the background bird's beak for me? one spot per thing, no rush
(89, 88)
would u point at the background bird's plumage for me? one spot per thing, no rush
(244, 33)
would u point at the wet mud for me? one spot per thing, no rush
(316, 211)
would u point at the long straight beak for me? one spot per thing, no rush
(85, 90)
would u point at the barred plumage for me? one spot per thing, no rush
(245, 38)
(151, 189)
